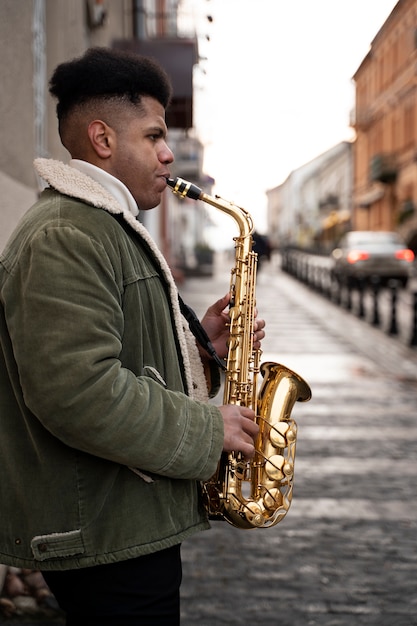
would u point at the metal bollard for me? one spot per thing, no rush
(348, 301)
(361, 309)
(393, 327)
(338, 294)
(327, 283)
(375, 291)
(413, 338)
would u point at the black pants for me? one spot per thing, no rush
(140, 592)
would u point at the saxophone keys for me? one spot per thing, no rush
(288, 469)
(273, 499)
(253, 513)
(273, 467)
(282, 434)
(277, 467)
(240, 470)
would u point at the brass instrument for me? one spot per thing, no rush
(255, 493)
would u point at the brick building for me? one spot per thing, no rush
(385, 121)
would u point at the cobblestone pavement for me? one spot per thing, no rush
(345, 554)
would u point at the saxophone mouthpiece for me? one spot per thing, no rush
(184, 189)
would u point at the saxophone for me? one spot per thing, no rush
(255, 493)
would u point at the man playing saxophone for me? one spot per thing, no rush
(106, 425)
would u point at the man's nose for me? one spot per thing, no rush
(166, 155)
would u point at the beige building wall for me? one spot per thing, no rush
(16, 102)
(68, 35)
(35, 36)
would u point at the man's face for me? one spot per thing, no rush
(141, 156)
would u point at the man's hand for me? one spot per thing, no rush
(216, 324)
(240, 429)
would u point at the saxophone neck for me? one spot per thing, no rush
(240, 215)
(185, 189)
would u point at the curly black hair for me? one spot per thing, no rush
(107, 72)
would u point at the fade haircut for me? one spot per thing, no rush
(108, 74)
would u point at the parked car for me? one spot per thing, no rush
(366, 256)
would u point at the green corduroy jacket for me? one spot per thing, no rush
(105, 425)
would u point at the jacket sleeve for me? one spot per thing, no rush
(65, 319)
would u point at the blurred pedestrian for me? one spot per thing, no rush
(106, 427)
(262, 247)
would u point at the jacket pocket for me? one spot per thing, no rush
(57, 545)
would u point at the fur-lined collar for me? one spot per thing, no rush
(76, 184)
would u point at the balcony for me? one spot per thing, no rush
(383, 169)
(178, 57)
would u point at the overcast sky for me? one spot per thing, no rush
(276, 88)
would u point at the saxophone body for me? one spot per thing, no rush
(255, 493)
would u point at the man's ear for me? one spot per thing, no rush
(101, 138)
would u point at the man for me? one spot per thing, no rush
(106, 429)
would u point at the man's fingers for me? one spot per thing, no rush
(240, 429)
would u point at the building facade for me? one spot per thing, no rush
(385, 121)
(313, 207)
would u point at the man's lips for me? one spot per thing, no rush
(163, 178)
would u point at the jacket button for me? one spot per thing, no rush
(18, 541)
(43, 547)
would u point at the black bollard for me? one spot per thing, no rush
(317, 279)
(327, 283)
(292, 266)
(393, 327)
(361, 306)
(307, 272)
(301, 270)
(374, 281)
(413, 338)
(348, 302)
(338, 294)
(322, 281)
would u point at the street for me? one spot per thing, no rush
(345, 554)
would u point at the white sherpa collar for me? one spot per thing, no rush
(76, 184)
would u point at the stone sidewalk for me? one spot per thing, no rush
(345, 554)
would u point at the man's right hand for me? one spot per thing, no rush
(240, 429)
